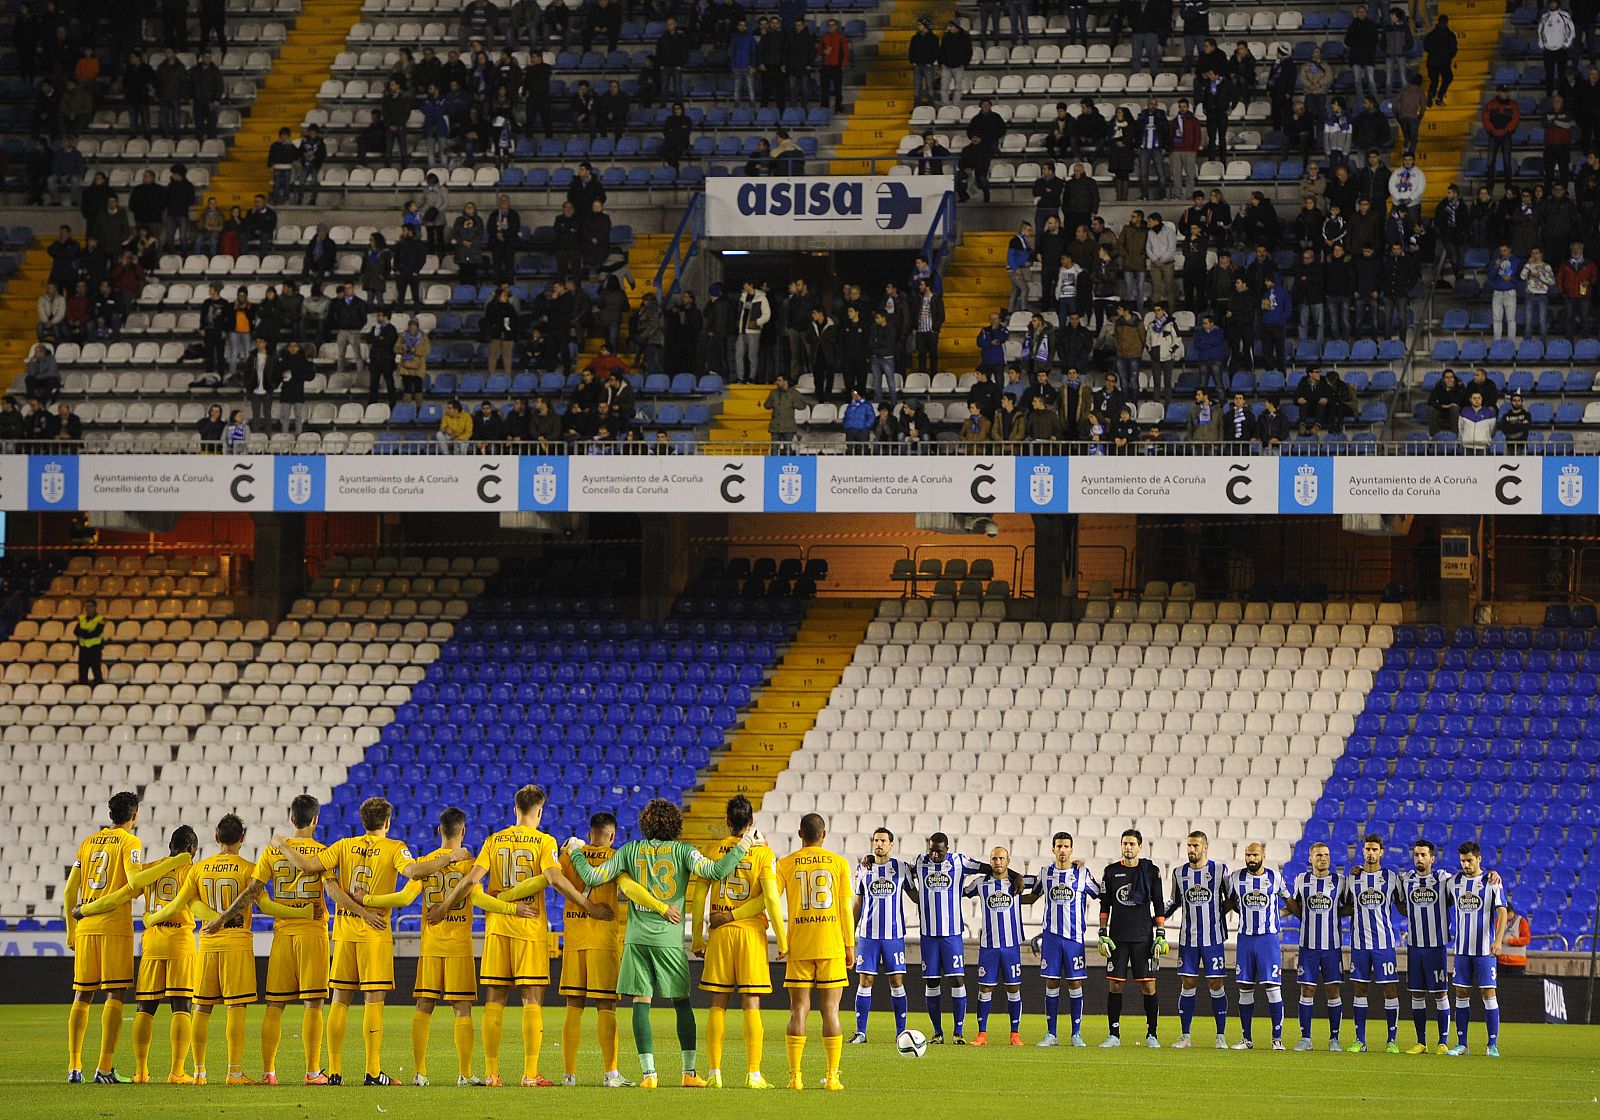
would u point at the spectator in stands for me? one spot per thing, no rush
(346, 319)
(922, 52)
(1165, 347)
(1515, 425)
(752, 315)
(208, 229)
(1504, 272)
(500, 327)
(1537, 279)
(89, 631)
(241, 325)
(788, 158)
(1407, 185)
(1127, 343)
(52, 311)
(858, 418)
(396, 109)
(66, 173)
(321, 257)
(64, 427)
(455, 429)
(281, 159)
(1161, 256)
(676, 136)
(216, 319)
(1042, 424)
(381, 342)
(261, 378)
(12, 429)
(1501, 118)
(1124, 432)
(1556, 34)
(1035, 352)
(41, 376)
(411, 358)
(1401, 275)
(488, 428)
(742, 62)
(467, 237)
(313, 153)
(293, 372)
(1362, 43)
(647, 332)
(260, 227)
(1019, 259)
(594, 232)
(882, 348)
(206, 92)
(1152, 136)
(1576, 282)
(1513, 957)
(1316, 80)
(1476, 423)
(1445, 403)
(955, 55)
(127, 280)
(783, 402)
(992, 341)
(928, 321)
(1205, 419)
(834, 55)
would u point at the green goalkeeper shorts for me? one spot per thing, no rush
(653, 970)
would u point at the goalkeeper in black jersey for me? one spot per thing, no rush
(1131, 935)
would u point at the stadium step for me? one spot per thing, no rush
(800, 687)
(1445, 130)
(19, 307)
(742, 419)
(286, 95)
(880, 108)
(975, 283)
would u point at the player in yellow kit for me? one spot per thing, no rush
(816, 887)
(227, 967)
(297, 965)
(102, 945)
(735, 952)
(446, 968)
(516, 950)
(167, 956)
(363, 943)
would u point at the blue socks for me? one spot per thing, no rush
(958, 1006)
(1419, 1018)
(1335, 1016)
(1359, 1014)
(1443, 1009)
(1491, 1018)
(863, 1008)
(1391, 1012)
(1307, 1006)
(1247, 1011)
(1219, 1010)
(897, 998)
(1014, 1005)
(1052, 1009)
(935, 1009)
(1186, 1002)
(985, 1000)
(1275, 1006)
(1463, 1017)
(1075, 1001)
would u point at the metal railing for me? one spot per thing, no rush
(678, 256)
(942, 233)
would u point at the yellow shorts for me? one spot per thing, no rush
(102, 962)
(165, 978)
(297, 967)
(226, 976)
(590, 973)
(362, 966)
(824, 972)
(511, 962)
(736, 961)
(451, 979)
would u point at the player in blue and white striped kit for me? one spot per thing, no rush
(1369, 892)
(1199, 889)
(1425, 895)
(1314, 899)
(1000, 894)
(881, 930)
(1480, 930)
(1066, 888)
(939, 874)
(1256, 891)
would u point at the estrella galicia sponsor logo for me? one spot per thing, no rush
(1322, 903)
(732, 487)
(1305, 485)
(881, 887)
(1042, 485)
(1508, 484)
(300, 484)
(1255, 899)
(242, 484)
(543, 483)
(791, 484)
(939, 880)
(1061, 892)
(1000, 900)
(982, 488)
(1373, 899)
(1469, 903)
(1237, 488)
(52, 482)
(1424, 896)
(1197, 895)
(1572, 485)
(489, 482)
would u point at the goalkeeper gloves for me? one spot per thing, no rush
(1161, 943)
(1107, 946)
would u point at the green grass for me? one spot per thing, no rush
(1547, 1071)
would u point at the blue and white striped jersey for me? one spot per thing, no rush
(1066, 900)
(882, 910)
(1199, 892)
(1476, 900)
(939, 893)
(1319, 896)
(1369, 895)
(1002, 909)
(1258, 897)
(1427, 900)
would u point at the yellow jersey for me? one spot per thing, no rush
(511, 856)
(816, 889)
(175, 935)
(582, 931)
(744, 885)
(293, 887)
(217, 882)
(453, 936)
(364, 865)
(104, 860)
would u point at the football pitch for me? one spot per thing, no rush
(1546, 1071)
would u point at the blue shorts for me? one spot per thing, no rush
(1425, 971)
(876, 955)
(1373, 966)
(942, 957)
(1196, 959)
(1260, 959)
(1473, 971)
(1000, 965)
(1320, 966)
(1060, 959)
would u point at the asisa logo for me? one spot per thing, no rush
(827, 200)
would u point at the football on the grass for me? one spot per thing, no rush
(912, 1044)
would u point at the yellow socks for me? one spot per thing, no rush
(532, 1039)
(311, 1038)
(202, 1034)
(110, 1030)
(606, 1028)
(271, 1034)
(754, 1036)
(832, 1045)
(181, 1033)
(234, 1030)
(420, 1021)
(144, 1029)
(77, 1027)
(795, 1044)
(372, 1037)
(336, 1016)
(716, 1028)
(571, 1035)
(463, 1045)
(493, 1017)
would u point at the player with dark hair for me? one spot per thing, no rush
(816, 889)
(939, 875)
(1132, 934)
(881, 929)
(735, 951)
(1066, 886)
(1480, 932)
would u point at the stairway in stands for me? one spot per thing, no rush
(1446, 129)
(975, 283)
(786, 709)
(18, 308)
(881, 105)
